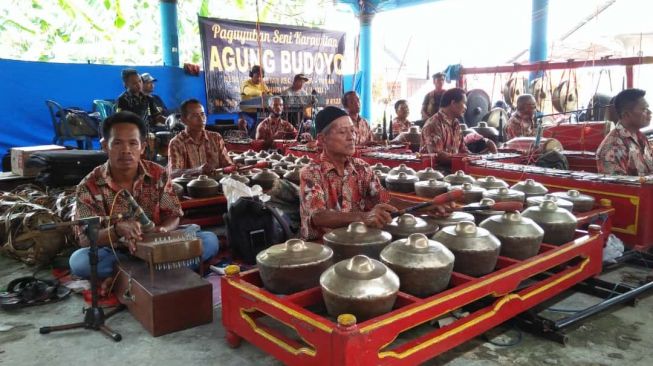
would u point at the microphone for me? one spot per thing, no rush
(146, 224)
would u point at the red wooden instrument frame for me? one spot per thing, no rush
(324, 342)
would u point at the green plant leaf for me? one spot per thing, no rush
(36, 5)
(120, 21)
(107, 4)
(67, 8)
(204, 8)
(18, 26)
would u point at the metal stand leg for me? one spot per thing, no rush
(93, 316)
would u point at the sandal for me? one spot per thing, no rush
(31, 291)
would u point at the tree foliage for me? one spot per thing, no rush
(127, 31)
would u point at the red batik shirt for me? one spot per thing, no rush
(400, 126)
(442, 134)
(270, 130)
(184, 153)
(152, 190)
(623, 152)
(321, 188)
(363, 132)
(519, 125)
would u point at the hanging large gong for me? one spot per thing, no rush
(513, 89)
(565, 96)
(497, 118)
(600, 108)
(542, 92)
(478, 104)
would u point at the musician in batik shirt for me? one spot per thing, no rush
(401, 123)
(337, 189)
(99, 194)
(195, 150)
(625, 150)
(352, 104)
(522, 122)
(441, 133)
(275, 127)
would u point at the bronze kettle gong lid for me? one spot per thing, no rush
(294, 253)
(357, 233)
(417, 251)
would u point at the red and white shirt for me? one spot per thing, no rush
(442, 134)
(623, 152)
(322, 188)
(152, 190)
(185, 155)
(519, 126)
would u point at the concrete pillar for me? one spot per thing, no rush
(169, 33)
(539, 39)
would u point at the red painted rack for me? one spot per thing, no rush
(248, 309)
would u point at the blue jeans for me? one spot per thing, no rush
(81, 267)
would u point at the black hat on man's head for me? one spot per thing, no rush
(326, 116)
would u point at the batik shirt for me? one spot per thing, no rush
(152, 190)
(185, 155)
(441, 134)
(431, 103)
(322, 188)
(623, 152)
(269, 130)
(363, 131)
(400, 126)
(519, 125)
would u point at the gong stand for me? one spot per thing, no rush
(94, 316)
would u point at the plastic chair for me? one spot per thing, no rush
(62, 130)
(104, 107)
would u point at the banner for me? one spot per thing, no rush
(230, 49)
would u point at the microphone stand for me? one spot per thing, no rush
(94, 316)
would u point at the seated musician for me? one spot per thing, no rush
(401, 123)
(522, 122)
(275, 127)
(98, 194)
(352, 104)
(297, 87)
(134, 100)
(625, 150)
(254, 87)
(338, 189)
(442, 134)
(195, 150)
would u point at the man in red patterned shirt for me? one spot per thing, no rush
(441, 133)
(337, 189)
(352, 104)
(522, 122)
(401, 123)
(625, 150)
(195, 150)
(99, 194)
(274, 127)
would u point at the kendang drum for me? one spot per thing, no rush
(526, 145)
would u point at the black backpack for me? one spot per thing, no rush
(252, 226)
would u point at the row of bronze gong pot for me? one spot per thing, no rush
(360, 269)
(280, 167)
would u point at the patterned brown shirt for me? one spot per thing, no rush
(442, 134)
(623, 152)
(185, 155)
(269, 130)
(519, 126)
(321, 188)
(96, 193)
(400, 126)
(363, 131)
